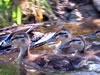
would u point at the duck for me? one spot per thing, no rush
(63, 35)
(22, 41)
(36, 35)
(47, 62)
(79, 44)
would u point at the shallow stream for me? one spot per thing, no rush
(12, 68)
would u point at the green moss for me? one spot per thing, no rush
(9, 69)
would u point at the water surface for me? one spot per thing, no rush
(13, 69)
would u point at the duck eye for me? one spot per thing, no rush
(61, 33)
(97, 32)
(66, 35)
(79, 42)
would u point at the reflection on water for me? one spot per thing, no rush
(65, 73)
(13, 69)
(9, 69)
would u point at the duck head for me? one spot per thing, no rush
(97, 33)
(78, 43)
(62, 34)
(22, 41)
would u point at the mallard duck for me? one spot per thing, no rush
(22, 41)
(36, 35)
(6, 39)
(63, 35)
(77, 45)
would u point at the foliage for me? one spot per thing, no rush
(11, 11)
(9, 69)
(46, 4)
(38, 8)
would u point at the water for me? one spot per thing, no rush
(14, 69)
(66, 73)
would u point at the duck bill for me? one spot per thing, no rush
(51, 39)
(6, 41)
(66, 45)
(91, 36)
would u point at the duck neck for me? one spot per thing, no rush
(24, 52)
(61, 42)
(58, 44)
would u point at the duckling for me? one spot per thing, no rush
(63, 35)
(77, 45)
(22, 41)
